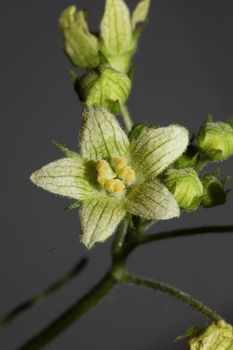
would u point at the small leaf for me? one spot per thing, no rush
(74, 205)
(99, 219)
(102, 137)
(140, 13)
(137, 131)
(67, 152)
(152, 201)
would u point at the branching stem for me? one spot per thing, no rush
(123, 246)
(72, 314)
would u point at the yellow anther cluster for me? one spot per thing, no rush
(114, 185)
(115, 181)
(123, 171)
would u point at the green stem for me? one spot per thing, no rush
(176, 293)
(185, 233)
(75, 312)
(126, 117)
(120, 237)
(42, 296)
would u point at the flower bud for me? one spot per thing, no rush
(185, 186)
(104, 86)
(81, 46)
(214, 193)
(216, 140)
(218, 335)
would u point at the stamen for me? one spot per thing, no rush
(115, 186)
(115, 182)
(123, 171)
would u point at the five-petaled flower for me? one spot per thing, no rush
(113, 176)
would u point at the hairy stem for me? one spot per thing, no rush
(42, 296)
(75, 312)
(184, 233)
(120, 237)
(176, 293)
(126, 117)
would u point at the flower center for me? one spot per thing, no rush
(115, 178)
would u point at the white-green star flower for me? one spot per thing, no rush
(113, 176)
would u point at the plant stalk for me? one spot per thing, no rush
(126, 117)
(100, 290)
(185, 233)
(176, 293)
(42, 296)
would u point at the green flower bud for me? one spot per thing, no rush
(216, 140)
(218, 335)
(104, 86)
(214, 193)
(80, 45)
(185, 186)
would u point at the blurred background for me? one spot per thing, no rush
(184, 70)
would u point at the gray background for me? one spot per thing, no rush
(184, 71)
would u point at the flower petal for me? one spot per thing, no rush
(140, 13)
(152, 200)
(69, 177)
(102, 136)
(155, 150)
(81, 46)
(99, 219)
(116, 30)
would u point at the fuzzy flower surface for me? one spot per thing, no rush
(118, 38)
(112, 176)
(217, 336)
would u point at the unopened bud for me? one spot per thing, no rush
(216, 140)
(185, 186)
(217, 336)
